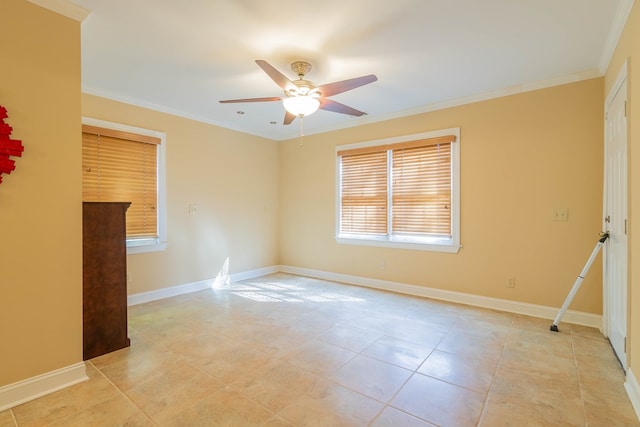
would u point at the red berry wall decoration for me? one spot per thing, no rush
(8, 147)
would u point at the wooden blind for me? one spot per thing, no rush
(421, 183)
(122, 167)
(364, 193)
(419, 180)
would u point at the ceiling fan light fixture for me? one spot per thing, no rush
(301, 97)
(301, 106)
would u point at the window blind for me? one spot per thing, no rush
(421, 183)
(121, 166)
(413, 177)
(364, 193)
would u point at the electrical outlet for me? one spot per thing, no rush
(560, 214)
(511, 283)
(193, 209)
(381, 265)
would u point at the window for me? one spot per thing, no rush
(124, 164)
(401, 192)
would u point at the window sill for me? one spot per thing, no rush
(430, 247)
(140, 248)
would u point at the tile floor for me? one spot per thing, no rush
(284, 350)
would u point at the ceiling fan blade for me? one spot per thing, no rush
(280, 79)
(335, 88)
(336, 107)
(268, 99)
(288, 118)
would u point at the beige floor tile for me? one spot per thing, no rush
(310, 322)
(277, 422)
(220, 407)
(419, 334)
(595, 372)
(440, 319)
(392, 417)
(277, 341)
(495, 318)
(529, 341)
(372, 377)
(350, 337)
(504, 414)
(161, 398)
(473, 373)
(166, 333)
(284, 344)
(119, 355)
(138, 364)
(199, 344)
(586, 332)
(541, 363)
(557, 400)
(6, 419)
(439, 402)
(398, 352)
(159, 315)
(232, 364)
(117, 411)
(67, 402)
(320, 357)
(388, 323)
(589, 349)
(535, 324)
(342, 313)
(330, 404)
(608, 403)
(277, 384)
(247, 332)
(469, 343)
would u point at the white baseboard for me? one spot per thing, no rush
(142, 297)
(173, 291)
(252, 274)
(575, 317)
(23, 391)
(571, 316)
(633, 390)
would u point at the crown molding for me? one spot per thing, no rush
(65, 8)
(472, 99)
(617, 27)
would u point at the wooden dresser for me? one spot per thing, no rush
(104, 277)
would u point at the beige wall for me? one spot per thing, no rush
(521, 156)
(232, 177)
(40, 209)
(629, 48)
(263, 203)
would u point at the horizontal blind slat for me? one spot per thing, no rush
(364, 194)
(118, 166)
(421, 201)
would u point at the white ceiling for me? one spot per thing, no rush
(182, 57)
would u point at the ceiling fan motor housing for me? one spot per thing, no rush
(300, 68)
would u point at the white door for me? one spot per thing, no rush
(615, 206)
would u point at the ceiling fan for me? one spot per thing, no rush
(302, 97)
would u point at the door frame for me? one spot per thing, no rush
(620, 79)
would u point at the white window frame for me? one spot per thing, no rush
(448, 245)
(135, 246)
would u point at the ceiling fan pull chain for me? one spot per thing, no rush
(301, 130)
